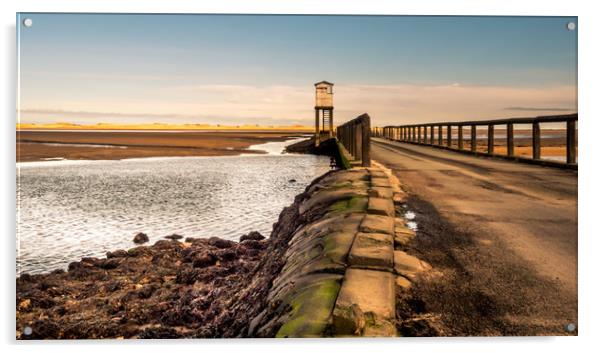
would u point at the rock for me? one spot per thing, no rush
(408, 265)
(117, 253)
(140, 238)
(111, 263)
(292, 181)
(399, 197)
(163, 244)
(145, 292)
(252, 236)
(220, 243)
(254, 244)
(403, 282)
(25, 277)
(204, 260)
(25, 304)
(140, 251)
(174, 237)
(72, 266)
(160, 332)
(226, 255)
(186, 276)
(90, 262)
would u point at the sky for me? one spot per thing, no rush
(254, 69)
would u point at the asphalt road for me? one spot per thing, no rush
(501, 235)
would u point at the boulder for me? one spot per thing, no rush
(252, 236)
(140, 238)
(117, 253)
(220, 243)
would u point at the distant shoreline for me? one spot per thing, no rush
(44, 145)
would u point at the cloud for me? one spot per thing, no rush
(536, 109)
(286, 104)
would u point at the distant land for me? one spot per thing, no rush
(159, 126)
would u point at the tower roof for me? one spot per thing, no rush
(324, 82)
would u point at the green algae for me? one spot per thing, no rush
(311, 310)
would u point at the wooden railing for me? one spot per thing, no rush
(432, 135)
(354, 135)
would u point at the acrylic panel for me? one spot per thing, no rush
(236, 176)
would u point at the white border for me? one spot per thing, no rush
(589, 202)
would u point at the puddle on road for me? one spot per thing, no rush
(409, 217)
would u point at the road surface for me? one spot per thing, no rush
(501, 235)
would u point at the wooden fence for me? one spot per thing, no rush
(354, 135)
(432, 135)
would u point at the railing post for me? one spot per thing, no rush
(490, 137)
(460, 137)
(352, 140)
(510, 139)
(365, 124)
(425, 141)
(536, 141)
(449, 136)
(440, 132)
(432, 135)
(473, 138)
(571, 142)
(358, 144)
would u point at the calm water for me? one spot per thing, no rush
(71, 209)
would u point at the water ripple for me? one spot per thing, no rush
(73, 210)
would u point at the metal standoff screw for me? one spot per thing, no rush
(571, 26)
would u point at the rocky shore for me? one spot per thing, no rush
(168, 290)
(334, 265)
(195, 288)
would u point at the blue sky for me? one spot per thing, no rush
(261, 69)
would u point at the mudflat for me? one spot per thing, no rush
(96, 145)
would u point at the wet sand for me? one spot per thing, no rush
(550, 147)
(98, 145)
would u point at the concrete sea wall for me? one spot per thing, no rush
(341, 270)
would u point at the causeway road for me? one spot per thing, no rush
(501, 235)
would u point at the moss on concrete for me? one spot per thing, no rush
(352, 204)
(310, 310)
(343, 161)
